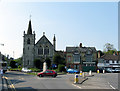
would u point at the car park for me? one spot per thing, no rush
(47, 73)
(72, 71)
(117, 70)
(110, 70)
(26, 70)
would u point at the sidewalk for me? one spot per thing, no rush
(0, 83)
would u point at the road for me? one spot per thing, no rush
(24, 81)
(98, 81)
(101, 81)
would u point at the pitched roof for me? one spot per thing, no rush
(42, 40)
(80, 49)
(110, 57)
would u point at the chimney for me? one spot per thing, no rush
(98, 54)
(80, 45)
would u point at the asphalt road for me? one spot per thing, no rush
(101, 81)
(24, 81)
(98, 81)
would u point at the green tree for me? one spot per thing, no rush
(108, 47)
(13, 64)
(38, 64)
(19, 61)
(57, 59)
(61, 67)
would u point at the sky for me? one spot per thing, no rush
(91, 23)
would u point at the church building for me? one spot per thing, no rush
(42, 49)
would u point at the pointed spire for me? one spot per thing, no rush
(54, 39)
(29, 27)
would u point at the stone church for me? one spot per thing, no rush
(42, 49)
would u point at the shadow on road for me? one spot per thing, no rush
(26, 89)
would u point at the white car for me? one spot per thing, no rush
(26, 70)
(117, 70)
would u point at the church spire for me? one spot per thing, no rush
(54, 42)
(29, 27)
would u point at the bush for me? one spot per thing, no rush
(61, 68)
(35, 69)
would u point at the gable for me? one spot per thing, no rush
(44, 40)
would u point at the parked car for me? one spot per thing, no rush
(72, 71)
(26, 70)
(117, 70)
(47, 73)
(110, 70)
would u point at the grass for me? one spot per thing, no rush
(33, 73)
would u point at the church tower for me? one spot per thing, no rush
(54, 42)
(28, 47)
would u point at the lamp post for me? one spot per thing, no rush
(0, 52)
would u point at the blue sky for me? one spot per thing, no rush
(90, 23)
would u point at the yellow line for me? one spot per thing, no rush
(11, 86)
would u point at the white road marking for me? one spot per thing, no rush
(111, 86)
(76, 86)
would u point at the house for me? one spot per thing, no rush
(81, 58)
(109, 61)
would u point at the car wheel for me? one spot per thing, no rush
(40, 76)
(54, 75)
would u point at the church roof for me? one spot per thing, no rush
(29, 28)
(43, 40)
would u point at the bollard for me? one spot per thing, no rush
(90, 72)
(103, 71)
(98, 71)
(76, 78)
(81, 73)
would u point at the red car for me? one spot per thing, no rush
(47, 73)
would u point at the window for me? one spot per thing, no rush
(28, 62)
(40, 51)
(69, 58)
(28, 41)
(88, 58)
(46, 50)
(76, 57)
(110, 61)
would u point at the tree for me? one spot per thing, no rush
(38, 64)
(19, 61)
(57, 59)
(61, 68)
(13, 64)
(108, 47)
(48, 61)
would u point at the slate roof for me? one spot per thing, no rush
(110, 57)
(44, 37)
(80, 49)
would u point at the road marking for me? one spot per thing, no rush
(76, 86)
(111, 86)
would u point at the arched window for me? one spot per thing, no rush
(28, 41)
(40, 50)
(46, 50)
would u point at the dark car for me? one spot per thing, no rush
(47, 73)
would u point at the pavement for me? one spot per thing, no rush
(0, 83)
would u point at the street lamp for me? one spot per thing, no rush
(2, 44)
